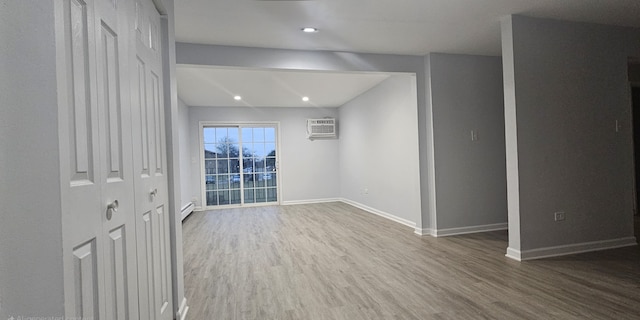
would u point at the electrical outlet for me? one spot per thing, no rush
(559, 216)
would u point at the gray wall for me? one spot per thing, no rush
(565, 86)
(30, 231)
(309, 169)
(470, 176)
(184, 130)
(379, 149)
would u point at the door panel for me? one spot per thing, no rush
(118, 298)
(109, 97)
(86, 281)
(158, 121)
(151, 188)
(161, 267)
(145, 258)
(259, 152)
(80, 160)
(118, 223)
(81, 112)
(140, 93)
(165, 258)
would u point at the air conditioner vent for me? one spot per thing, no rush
(321, 128)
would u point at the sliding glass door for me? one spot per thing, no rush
(240, 164)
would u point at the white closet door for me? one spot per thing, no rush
(151, 189)
(96, 161)
(114, 105)
(80, 171)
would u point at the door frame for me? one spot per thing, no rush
(632, 85)
(202, 125)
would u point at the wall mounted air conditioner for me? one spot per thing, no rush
(321, 128)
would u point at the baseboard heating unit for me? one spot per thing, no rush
(187, 210)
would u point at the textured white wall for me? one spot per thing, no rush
(309, 169)
(379, 149)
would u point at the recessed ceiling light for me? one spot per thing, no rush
(305, 99)
(309, 29)
(237, 98)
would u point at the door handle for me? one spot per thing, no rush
(111, 208)
(154, 192)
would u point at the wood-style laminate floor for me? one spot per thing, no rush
(333, 261)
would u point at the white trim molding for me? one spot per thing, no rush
(423, 231)
(563, 250)
(310, 201)
(183, 310)
(514, 254)
(380, 213)
(469, 229)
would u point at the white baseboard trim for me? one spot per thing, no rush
(183, 310)
(380, 213)
(310, 201)
(423, 231)
(570, 249)
(514, 254)
(198, 209)
(469, 229)
(186, 210)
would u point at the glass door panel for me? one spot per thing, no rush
(222, 163)
(259, 152)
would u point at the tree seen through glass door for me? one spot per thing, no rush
(222, 166)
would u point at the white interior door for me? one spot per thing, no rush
(114, 186)
(80, 161)
(116, 167)
(152, 211)
(96, 170)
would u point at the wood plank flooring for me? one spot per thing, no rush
(333, 261)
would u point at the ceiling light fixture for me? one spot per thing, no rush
(305, 99)
(237, 98)
(309, 29)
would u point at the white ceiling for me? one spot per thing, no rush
(209, 86)
(411, 27)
